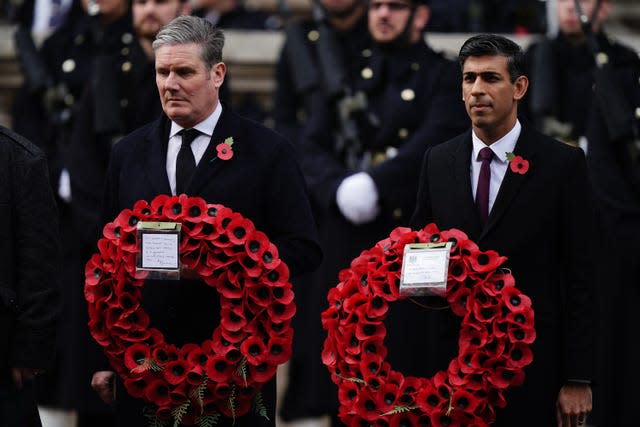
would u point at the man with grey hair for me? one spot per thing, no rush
(262, 181)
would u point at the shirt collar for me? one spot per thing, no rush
(205, 127)
(501, 147)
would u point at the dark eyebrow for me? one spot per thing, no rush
(485, 75)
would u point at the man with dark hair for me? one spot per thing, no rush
(154, 160)
(29, 267)
(541, 220)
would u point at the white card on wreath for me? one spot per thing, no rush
(425, 268)
(159, 250)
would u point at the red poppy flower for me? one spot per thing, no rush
(366, 406)
(136, 355)
(173, 207)
(515, 300)
(254, 349)
(497, 282)
(263, 372)
(483, 262)
(520, 355)
(283, 294)
(255, 245)
(158, 392)
(175, 371)
(136, 387)
(347, 392)
(279, 349)
(370, 365)
(239, 229)
(232, 320)
(519, 165)
(219, 369)
(521, 334)
(224, 151)
(405, 419)
(195, 209)
(250, 266)
(279, 312)
(368, 330)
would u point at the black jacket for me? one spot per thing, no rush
(29, 251)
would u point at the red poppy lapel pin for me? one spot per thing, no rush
(224, 149)
(518, 164)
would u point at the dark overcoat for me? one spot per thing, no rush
(262, 181)
(543, 221)
(29, 265)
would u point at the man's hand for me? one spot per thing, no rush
(103, 382)
(21, 375)
(357, 198)
(573, 405)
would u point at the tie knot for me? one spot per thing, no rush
(485, 154)
(188, 135)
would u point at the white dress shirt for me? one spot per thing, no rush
(499, 163)
(198, 146)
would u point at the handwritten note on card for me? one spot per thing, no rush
(160, 250)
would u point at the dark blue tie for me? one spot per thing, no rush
(185, 162)
(484, 180)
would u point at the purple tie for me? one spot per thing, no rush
(482, 193)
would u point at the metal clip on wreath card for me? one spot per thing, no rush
(425, 268)
(158, 250)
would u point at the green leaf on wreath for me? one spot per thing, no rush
(399, 410)
(146, 364)
(198, 393)
(259, 406)
(208, 420)
(232, 403)
(242, 370)
(179, 412)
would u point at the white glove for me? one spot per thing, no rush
(64, 186)
(357, 198)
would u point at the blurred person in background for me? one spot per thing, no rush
(585, 91)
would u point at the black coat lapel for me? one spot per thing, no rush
(461, 163)
(155, 155)
(512, 181)
(228, 125)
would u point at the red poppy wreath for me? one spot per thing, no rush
(495, 335)
(222, 376)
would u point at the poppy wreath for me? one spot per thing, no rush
(197, 383)
(496, 331)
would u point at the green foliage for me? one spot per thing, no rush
(208, 420)
(399, 410)
(146, 365)
(259, 407)
(241, 370)
(179, 412)
(232, 403)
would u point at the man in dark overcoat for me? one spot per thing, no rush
(542, 220)
(262, 181)
(29, 267)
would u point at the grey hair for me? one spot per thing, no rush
(191, 29)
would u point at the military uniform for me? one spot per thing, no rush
(44, 115)
(573, 109)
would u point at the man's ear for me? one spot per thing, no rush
(521, 85)
(421, 17)
(218, 71)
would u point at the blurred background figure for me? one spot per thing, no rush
(367, 128)
(235, 14)
(585, 90)
(29, 267)
(318, 67)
